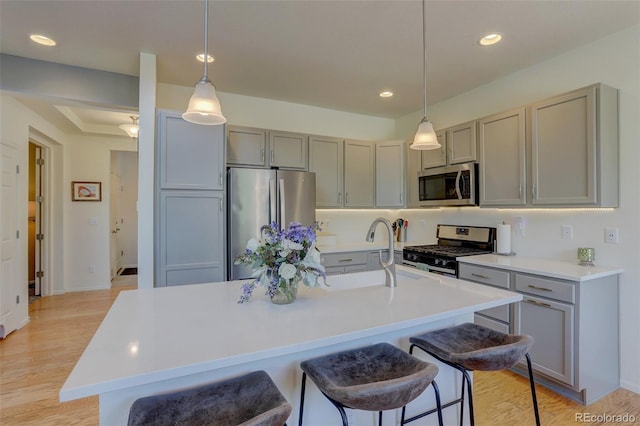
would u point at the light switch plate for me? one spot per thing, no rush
(567, 232)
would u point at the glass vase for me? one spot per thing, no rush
(286, 292)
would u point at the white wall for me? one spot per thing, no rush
(277, 115)
(86, 260)
(615, 61)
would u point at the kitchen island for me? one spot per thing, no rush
(156, 340)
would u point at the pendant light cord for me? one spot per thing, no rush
(424, 57)
(206, 33)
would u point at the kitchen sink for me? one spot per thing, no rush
(370, 278)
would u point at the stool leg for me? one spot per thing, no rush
(462, 390)
(470, 396)
(343, 414)
(304, 380)
(436, 390)
(533, 390)
(379, 418)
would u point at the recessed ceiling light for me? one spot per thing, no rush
(200, 57)
(40, 39)
(386, 94)
(490, 39)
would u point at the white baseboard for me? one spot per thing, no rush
(633, 387)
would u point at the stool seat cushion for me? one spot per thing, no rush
(252, 399)
(475, 347)
(375, 378)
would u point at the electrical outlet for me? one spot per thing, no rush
(567, 232)
(611, 235)
(92, 269)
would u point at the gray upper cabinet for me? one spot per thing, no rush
(190, 156)
(461, 143)
(389, 174)
(326, 159)
(253, 147)
(359, 174)
(436, 157)
(502, 159)
(246, 146)
(414, 165)
(574, 148)
(288, 150)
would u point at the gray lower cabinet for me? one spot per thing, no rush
(551, 324)
(192, 240)
(345, 262)
(190, 202)
(574, 325)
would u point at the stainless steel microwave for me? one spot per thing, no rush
(449, 186)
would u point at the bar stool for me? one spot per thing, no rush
(252, 399)
(467, 347)
(373, 378)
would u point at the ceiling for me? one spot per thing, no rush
(331, 54)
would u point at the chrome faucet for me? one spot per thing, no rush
(388, 266)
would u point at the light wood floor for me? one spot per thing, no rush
(36, 360)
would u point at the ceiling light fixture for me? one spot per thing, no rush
(425, 137)
(204, 106)
(43, 40)
(490, 39)
(200, 57)
(132, 129)
(386, 94)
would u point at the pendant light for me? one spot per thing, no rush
(131, 128)
(425, 137)
(204, 106)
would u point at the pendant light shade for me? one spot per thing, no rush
(425, 137)
(204, 106)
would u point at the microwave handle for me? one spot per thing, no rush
(458, 180)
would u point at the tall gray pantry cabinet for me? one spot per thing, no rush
(190, 202)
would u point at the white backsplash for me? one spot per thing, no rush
(540, 236)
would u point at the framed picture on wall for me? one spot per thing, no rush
(86, 191)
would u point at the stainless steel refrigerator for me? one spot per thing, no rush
(260, 196)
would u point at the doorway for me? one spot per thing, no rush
(123, 215)
(36, 196)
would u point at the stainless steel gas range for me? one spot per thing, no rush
(453, 241)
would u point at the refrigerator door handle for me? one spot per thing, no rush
(272, 201)
(282, 204)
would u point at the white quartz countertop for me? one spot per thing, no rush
(365, 246)
(155, 334)
(550, 268)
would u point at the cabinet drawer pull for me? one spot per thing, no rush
(262, 155)
(345, 260)
(535, 287)
(272, 157)
(479, 276)
(533, 302)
